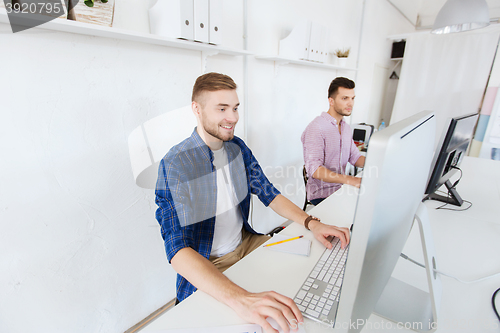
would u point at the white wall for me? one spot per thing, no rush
(80, 249)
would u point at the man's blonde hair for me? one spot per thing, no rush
(211, 82)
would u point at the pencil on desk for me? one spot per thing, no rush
(285, 240)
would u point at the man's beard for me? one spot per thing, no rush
(213, 130)
(342, 112)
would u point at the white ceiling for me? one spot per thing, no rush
(422, 13)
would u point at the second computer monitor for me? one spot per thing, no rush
(450, 151)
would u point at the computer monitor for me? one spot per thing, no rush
(393, 184)
(450, 151)
(361, 134)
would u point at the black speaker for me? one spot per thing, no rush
(398, 49)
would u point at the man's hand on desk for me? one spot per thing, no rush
(322, 231)
(255, 308)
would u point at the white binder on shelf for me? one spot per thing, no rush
(172, 18)
(315, 44)
(296, 44)
(215, 22)
(324, 50)
(201, 23)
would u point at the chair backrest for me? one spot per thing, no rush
(304, 174)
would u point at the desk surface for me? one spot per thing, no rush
(466, 245)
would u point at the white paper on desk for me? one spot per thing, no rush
(245, 328)
(275, 325)
(300, 246)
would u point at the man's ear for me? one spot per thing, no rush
(196, 108)
(330, 101)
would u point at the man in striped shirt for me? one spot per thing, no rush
(328, 145)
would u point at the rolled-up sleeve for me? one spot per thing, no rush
(314, 148)
(175, 236)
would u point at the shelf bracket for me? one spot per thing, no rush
(204, 58)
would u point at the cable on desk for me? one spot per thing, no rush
(453, 209)
(493, 303)
(404, 256)
(449, 194)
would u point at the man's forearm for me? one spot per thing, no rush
(202, 274)
(287, 209)
(329, 176)
(360, 163)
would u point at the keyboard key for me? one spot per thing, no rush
(323, 300)
(329, 302)
(328, 307)
(313, 313)
(325, 312)
(322, 304)
(307, 299)
(325, 255)
(338, 283)
(314, 302)
(301, 294)
(301, 308)
(319, 308)
(316, 297)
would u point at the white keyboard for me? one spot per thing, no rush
(318, 296)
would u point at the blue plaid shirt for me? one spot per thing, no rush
(186, 195)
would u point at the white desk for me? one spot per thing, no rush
(467, 245)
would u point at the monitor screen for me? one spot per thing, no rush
(449, 153)
(359, 135)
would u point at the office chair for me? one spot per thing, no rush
(304, 175)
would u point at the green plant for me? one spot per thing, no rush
(90, 3)
(342, 53)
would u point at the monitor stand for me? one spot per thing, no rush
(453, 197)
(407, 305)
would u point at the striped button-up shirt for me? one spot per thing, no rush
(186, 195)
(323, 145)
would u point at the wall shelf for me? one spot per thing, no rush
(285, 61)
(110, 32)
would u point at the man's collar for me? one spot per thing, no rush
(331, 119)
(199, 143)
